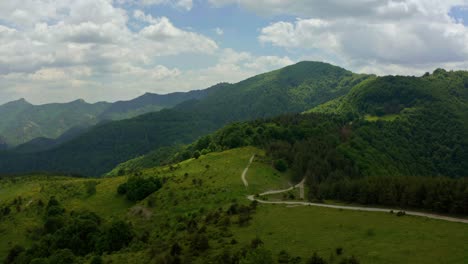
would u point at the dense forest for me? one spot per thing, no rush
(418, 160)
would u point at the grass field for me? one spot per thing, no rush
(372, 237)
(214, 181)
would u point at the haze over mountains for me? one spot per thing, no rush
(23, 121)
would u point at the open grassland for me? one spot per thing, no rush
(372, 237)
(200, 186)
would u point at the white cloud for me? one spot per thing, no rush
(182, 4)
(332, 9)
(390, 35)
(164, 35)
(44, 56)
(219, 31)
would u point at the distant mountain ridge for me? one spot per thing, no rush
(22, 121)
(149, 102)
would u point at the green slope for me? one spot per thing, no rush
(408, 125)
(292, 89)
(23, 122)
(194, 202)
(150, 103)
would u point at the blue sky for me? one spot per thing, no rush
(61, 50)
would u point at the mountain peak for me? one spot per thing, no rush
(20, 101)
(79, 101)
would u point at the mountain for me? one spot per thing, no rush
(42, 143)
(149, 103)
(22, 121)
(3, 144)
(385, 126)
(292, 89)
(408, 125)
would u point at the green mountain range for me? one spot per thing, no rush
(292, 89)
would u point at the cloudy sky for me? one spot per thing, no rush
(61, 50)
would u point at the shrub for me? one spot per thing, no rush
(90, 187)
(62, 256)
(316, 259)
(13, 254)
(199, 243)
(258, 256)
(138, 188)
(280, 165)
(256, 242)
(350, 260)
(115, 237)
(339, 251)
(96, 260)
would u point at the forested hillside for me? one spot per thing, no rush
(150, 103)
(23, 122)
(398, 141)
(292, 89)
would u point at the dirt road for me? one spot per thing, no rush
(355, 208)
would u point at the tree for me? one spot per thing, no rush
(176, 249)
(13, 254)
(196, 154)
(96, 260)
(62, 256)
(199, 243)
(258, 256)
(316, 259)
(281, 165)
(117, 236)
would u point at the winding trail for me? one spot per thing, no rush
(244, 173)
(354, 208)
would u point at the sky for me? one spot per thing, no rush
(109, 50)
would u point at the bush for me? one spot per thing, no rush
(316, 259)
(280, 165)
(91, 187)
(258, 256)
(199, 243)
(138, 188)
(62, 256)
(13, 254)
(117, 236)
(350, 260)
(96, 260)
(339, 251)
(401, 213)
(256, 242)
